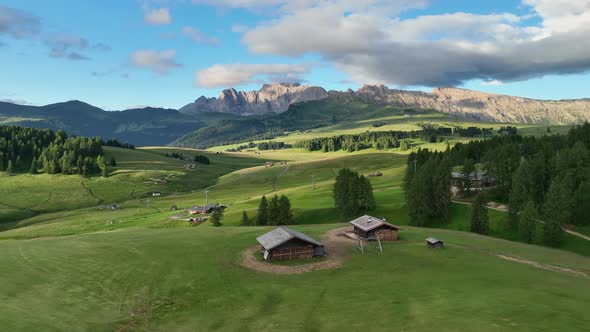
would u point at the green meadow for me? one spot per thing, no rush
(103, 254)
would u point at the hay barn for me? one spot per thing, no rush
(286, 244)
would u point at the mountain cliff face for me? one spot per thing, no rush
(482, 106)
(271, 98)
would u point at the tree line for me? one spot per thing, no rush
(379, 140)
(34, 150)
(274, 211)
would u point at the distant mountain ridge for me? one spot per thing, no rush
(216, 120)
(482, 106)
(271, 98)
(476, 105)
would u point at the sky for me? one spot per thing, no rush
(119, 54)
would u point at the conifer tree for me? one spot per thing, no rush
(262, 216)
(9, 169)
(102, 165)
(285, 216)
(33, 169)
(245, 221)
(467, 173)
(479, 215)
(273, 210)
(527, 222)
(216, 216)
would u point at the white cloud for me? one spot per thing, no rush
(198, 37)
(159, 16)
(372, 43)
(228, 75)
(160, 62)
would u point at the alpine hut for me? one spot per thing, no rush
(434, 243)
(284, 243)
(370, 228)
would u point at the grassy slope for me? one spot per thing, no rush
(189, 279)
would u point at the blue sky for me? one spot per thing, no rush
(117, 54)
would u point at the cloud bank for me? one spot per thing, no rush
(372, 42)
(224, 75)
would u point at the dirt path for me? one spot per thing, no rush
(337, 247)
(544, 266)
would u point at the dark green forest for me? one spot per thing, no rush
(34, 150)
(545, 177)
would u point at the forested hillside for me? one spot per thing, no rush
(29, 150)
(548, 177)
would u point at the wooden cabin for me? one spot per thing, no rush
(371, 228)
(284, 243)
(434, 243)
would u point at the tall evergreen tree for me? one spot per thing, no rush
(527, 222)
(581, 213)
(245, 221)
(479, 215)
(468, 174)
(9, 169)
(262, 216)
(285, 216)
(33, 169)
(102, 165)
(216, 217)
(273, 210)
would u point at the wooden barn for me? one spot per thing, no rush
(434, 243)
(286, 244)
(368, 227)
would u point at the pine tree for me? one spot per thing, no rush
(2, 162)
(285, 216)
(273, 210)
(216, 217)
(467, 172)
(262, 217)
(582, 204)
(112, 162)
(102, 165)
(33, 169)
(558, 209)
(9, 169)
(479, 216)
(245, 220)
(527, 222)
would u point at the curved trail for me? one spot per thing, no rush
(337, 247)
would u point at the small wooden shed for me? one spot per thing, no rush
(284, 243)
(434, 243)
(368, 227)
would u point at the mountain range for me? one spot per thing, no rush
(243, 115)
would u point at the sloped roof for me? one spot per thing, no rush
(281, 235)
(368, 223)
(433, 240)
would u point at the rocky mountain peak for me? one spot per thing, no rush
(275, 98)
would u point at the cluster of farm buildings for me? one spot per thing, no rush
(284, 243)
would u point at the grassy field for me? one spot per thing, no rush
(71, 264)
(190, 279)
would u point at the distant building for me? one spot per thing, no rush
(376, 174)
(434, 243)
(205, 209)
(286, 244)
(269, 164)
(156, 194)
(370, 228)
(479, 180)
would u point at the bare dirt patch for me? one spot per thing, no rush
(544, 266)
(337, 247)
